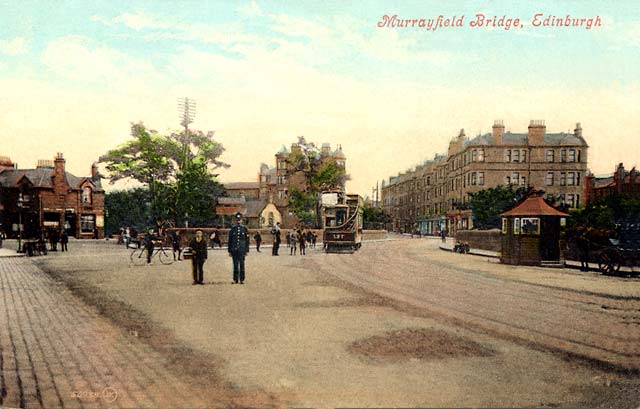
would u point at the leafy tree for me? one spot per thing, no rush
(487, 205)
(177, 169)
(374, 217)
(319, 173)
(127, 208)
(605, 213)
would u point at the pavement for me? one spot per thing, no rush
(56, 352)
(573, 264)
(9, 253)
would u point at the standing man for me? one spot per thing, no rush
(302, 240)
(583, 248)
(64, 240)
(293, 239)
(276, 239)
(238, 246)
(175, 243)
(55, 238)
(443, 235)
(199, 250)
(258, 238)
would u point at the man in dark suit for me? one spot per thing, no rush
(276, 239)
(238, 246)
(199, 251)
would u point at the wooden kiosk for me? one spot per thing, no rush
(531, 234)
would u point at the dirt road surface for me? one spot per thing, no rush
(397, 324)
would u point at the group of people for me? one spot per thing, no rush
(238, 242)
(55, 236)
(300, 239)
(127, 235)
(237, 246)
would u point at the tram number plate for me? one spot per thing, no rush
(338, 236)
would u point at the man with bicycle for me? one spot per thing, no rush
(149, 240)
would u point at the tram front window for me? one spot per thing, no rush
(340, 217)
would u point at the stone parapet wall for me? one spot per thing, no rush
(481, 239)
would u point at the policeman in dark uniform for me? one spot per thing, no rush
(238, 246)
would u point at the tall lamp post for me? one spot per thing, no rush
(20, 206)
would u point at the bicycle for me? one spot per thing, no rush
(139, 256)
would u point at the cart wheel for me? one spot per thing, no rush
(609, 263)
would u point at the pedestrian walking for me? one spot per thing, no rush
(258, 238)
(288, 236)
(583, 249)
(238, 247)
(121, 235)
(134, 237)
(302, 241)
(276, 239)
(443, 235)
(199, 255)
(64, 240)
(292, 238)
(54, 236)
(175, 243)
(314, 238)
(127, 236)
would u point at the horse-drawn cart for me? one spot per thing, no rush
(621, 251)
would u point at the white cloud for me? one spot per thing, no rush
(138, 20)
(76, 58)
(251, 9)
(14, 46)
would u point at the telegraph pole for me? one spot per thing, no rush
(187, 111)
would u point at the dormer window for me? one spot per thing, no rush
(86, 195)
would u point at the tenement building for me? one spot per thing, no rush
(624, 183)
(434, 195)
(266, 201)
(48, 197)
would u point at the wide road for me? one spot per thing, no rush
(583, 315)
(399, 323)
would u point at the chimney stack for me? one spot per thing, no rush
(58, 164)
(94, 171)
(578, 131)
(537, 129)
(498, 131)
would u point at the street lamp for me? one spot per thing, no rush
(20, 206)
(106, 218)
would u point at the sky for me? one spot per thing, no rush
(75, 74)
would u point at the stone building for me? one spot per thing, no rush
(268, 198)
(435, 195)
(49, 197)
(622, 182)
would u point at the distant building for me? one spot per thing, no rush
(49, 197)
(622, 182)
(435, 195)
(267, 200)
